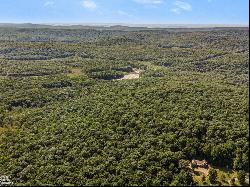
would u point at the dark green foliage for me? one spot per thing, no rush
(106, 75)
(64, 122)
(212, 175)
(184, 178)
(242, 177)
(60, 84)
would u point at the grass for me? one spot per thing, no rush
(75, 72)
(224, 176)
(200, 182)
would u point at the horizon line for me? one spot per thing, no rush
(131, 24)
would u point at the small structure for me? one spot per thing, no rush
(200, 163)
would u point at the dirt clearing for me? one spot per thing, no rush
(133, 75)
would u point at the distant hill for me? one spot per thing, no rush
(126, 27)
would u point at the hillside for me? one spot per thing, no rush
(115, 107)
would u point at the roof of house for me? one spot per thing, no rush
(200, 161)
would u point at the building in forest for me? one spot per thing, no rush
(200, 163)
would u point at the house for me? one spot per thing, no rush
(200, 163)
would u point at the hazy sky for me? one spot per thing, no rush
(126, 11)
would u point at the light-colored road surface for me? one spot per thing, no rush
(133, 75)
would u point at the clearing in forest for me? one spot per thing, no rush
(75, 72)
(135, 74)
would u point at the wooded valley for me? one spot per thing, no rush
(68, 116)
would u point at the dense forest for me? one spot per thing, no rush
(69, 117)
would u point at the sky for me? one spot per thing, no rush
(125, 11)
